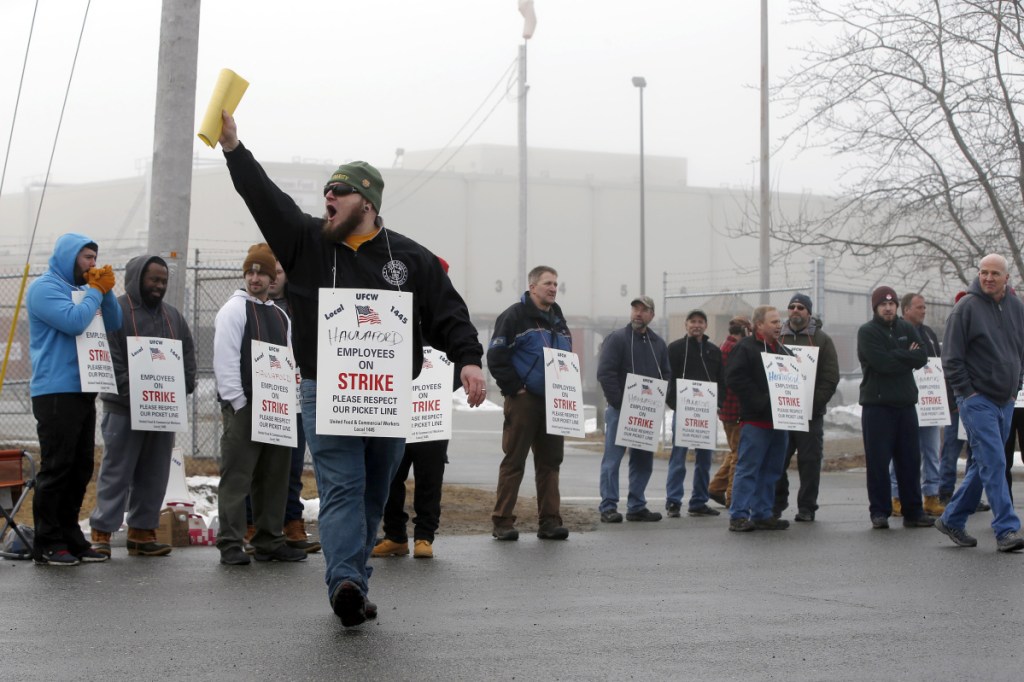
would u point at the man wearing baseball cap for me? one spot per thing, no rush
(890, 350)
(634, 349)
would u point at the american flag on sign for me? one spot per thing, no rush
(697, 393)
(365, 313)
(427, 364)
(781, 365)
(274, 362)
(562, 367)
(156, 354)
(646, 391)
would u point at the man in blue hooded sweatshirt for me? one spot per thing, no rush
(65, 416)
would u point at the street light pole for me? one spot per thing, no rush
(640, 82)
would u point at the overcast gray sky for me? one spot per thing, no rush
(342, 80)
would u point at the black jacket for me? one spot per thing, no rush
(515, 356)
(625, 351)
(887, 362)
(744, 374)
(388, 261)
(696, 360)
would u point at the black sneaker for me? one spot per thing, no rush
(673, 511)
(644, 514)
(1010, 542)
(880, 522)
(922, 521)
(804, 517)
(741, 525)
(281, 553)
(553, 532)
(91, 556)
(234, 556)
(505, 534)
(771, 524)
(55, 557)
(370, 609)
(349, 604)
(704, 510)
(959, 536)
(983, 506)
(611, 516)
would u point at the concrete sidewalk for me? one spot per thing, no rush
(679, 599)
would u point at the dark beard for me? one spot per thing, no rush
(149, 300)
(341, 232)
(79, 275)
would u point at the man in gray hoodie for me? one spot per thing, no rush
(136, 464)
(983, 359)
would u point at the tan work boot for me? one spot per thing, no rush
(424, 549)
(387, 547)
(897, 508)
(933, 506)
(295, 536)
(142, 542)
(100, 542)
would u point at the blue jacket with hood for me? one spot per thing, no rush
(54, 320)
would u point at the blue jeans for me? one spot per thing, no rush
(931, 479)
(951, 449)
(641, 463)
(761, 454)
(677, 474)
(353, 475)
(988, 427)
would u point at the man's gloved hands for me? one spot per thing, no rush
(100, 278)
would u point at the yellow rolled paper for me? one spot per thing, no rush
(227, 93)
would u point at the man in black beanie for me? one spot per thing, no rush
(889, 351)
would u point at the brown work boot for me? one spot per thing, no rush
(933, 506)
(142, 542)
(100, 542)
(897, 508)
(295, 536)
(247, 547)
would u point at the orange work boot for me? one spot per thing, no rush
(100, 542)
(295, 536)
(385, 547)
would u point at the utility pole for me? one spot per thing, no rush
(766, 202)
(523, 90)
(170, 197)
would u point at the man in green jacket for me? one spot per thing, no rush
(889, 351)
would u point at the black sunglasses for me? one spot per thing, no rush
(340, 190)
(797, 306)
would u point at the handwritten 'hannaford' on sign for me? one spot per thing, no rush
(432, 399)
(786, 390)
(696, 414)
(364, 363)
(95, 368)
(932, 408)
(643, 409)
(563, 394)
(273, 395)
(156, 384)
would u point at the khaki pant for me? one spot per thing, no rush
(721, 484)
(525, 428)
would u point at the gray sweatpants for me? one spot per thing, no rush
(133, 473)
(247, 466)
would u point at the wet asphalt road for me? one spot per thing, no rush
(682, 599)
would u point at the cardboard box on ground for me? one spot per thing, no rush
(173, 529)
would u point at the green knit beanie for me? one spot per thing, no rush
(363, 177)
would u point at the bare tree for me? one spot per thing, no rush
(924, 98)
